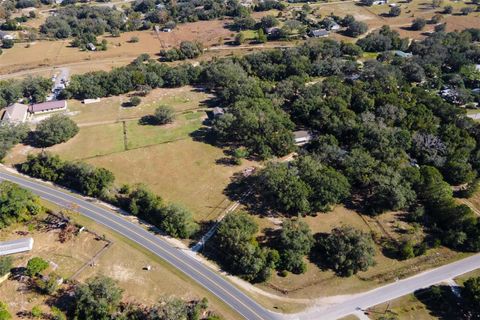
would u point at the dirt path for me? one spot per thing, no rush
(470, 205)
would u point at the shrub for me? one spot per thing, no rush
(418, 24)
(134, 39)
(395, 11)
(135, 101)
(35, 266)
(5, 265)
(7, 43)
(164, 114)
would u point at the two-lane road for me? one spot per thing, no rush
(196, 270)
(222, 288)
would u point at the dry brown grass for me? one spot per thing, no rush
(320, 283)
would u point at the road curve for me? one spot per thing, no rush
(222, 288)
(206, 277)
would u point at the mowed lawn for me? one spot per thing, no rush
(110, 109)
(183, 171)
(145, 135)
(92, 141)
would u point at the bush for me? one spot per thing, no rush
(418, 24)
(7, 43)
(56, 129)
(164, 114)
(356, 28)
(5, 265)
(4, 313)
(134, 39)
(134, 101)
(466, 10)
(395, 11)
(35, 266)
(448, 9)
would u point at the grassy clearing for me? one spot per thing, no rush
(110, 109)
(92, 141)
(145, 135)
(405, 308)
(184, 171)
(318, 283)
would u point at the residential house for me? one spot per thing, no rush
(15, 113)
(319, 33)
(16, 246)
(50, 106)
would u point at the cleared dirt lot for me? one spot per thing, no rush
(53, 53)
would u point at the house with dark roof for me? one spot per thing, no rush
(15, 113)
(319, 33)
(50, 106)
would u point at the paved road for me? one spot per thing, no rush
(395, 290)
(193, 268)
(222, 288)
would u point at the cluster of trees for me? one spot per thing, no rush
(346, 250)
(33, 89)
(10, 135)
(85, 22)
(97, 182)
(17, 204)
(54, 130)
(301, 187)
(100, 298)
(173, 219)
(143, 71)
(383, 39)
(164, 11)
(79, 176)
(187, 50)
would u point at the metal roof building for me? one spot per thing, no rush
(48, 106)
(16, 246)
(15, 113)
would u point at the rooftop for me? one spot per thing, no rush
(16, 112)
(16, 246)
(47, 106)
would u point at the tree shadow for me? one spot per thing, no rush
(442, 304)
(315, 256)
(205, 135)
(148, 120)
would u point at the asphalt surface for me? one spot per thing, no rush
(193, 268)
(222, 288)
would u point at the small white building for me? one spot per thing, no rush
(302, 137)
(15, 113)
(16, 246)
